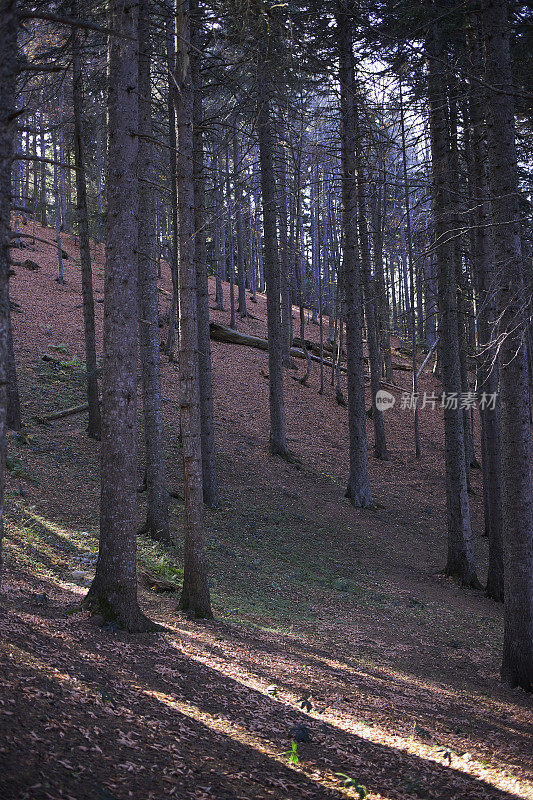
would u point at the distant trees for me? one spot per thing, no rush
(388, 208)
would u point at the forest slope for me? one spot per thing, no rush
(340, 606)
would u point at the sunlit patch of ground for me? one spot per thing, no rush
(100, 708)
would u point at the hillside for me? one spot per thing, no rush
(393, 667)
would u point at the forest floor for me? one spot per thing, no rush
(326, 616)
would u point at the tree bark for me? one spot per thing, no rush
(286, 305)
(460, 279)
(8, 72)
(94, 426)
(113, 591)
(517, 662)
(157, 526)
(171, 58)
(57, 212)
(487, 371)
(14, 420)
(231, 245)
(380, 440)
(209, 472)
(278, 444)
(220, 238)
(43, 200)
(460, 562)
(241, 270)
(194, 599)
(382, 296)
(410, 260)
(358, 489)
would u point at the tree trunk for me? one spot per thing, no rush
(410, 259)
(460, 279)
(231, 246)
(8, 71)
(94, 426)
(194, 599)
(460, 563)
(358, 490)
(100, 169)
(517, 663)
(286, 306)
(220, 238)
(209, 472)
(63, 158)
(157, 526)
(431, 301)
(382, 296)
(487, 372)
(14, 421)
(380, 441)
(43, 201)
(113, 591)
(57, 213)
(237, 188)
(278, 444)
(171, 57)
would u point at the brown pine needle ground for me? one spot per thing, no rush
(327, 616)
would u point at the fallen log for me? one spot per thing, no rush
(155, 583)
(53, 243)
(33, 266)
(313, 346)
(67, 412)
(221, 333)
(329, 364)
(402, 367)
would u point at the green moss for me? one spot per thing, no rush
(101, 605)
(158, 559)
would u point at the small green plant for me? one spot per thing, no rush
(422, 733)
(413, 602)
(348, 782)
(293, 753)
(59, 348)
(14, 466)
(351, 783)
(24, 438)
(74, 363)
(103, 695)
(158, 560)
(272, 690)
